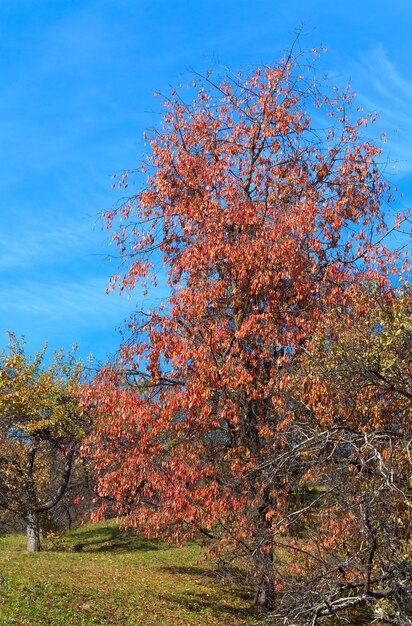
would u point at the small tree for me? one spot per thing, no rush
(41, 426)
(265, 221)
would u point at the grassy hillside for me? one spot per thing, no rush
(101, 576)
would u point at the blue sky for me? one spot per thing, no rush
(78, 78)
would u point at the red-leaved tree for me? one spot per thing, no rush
(264, 205)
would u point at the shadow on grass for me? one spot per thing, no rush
(201, 601)
(359, 617)
(106, 539)
(206, 572)
(190, 571)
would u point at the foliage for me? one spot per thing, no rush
(268, 221)
(41, 426)
(355, 445)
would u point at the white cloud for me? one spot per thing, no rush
(28, 241)
(82, 303)
(66, 303)
(388, 92)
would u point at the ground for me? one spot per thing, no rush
(97, 575)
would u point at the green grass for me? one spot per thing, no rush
(102, 576)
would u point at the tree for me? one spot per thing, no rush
(265, 220)
(41, 426)
(354, 385)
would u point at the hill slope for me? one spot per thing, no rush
(101, 576)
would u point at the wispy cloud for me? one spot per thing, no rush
(25, 242)
(82, 303)
(387, 91)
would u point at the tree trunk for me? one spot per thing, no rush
(33, 532)
(265, 595)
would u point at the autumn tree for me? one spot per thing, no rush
(354, 387)
(265, 206)
(41, 426)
